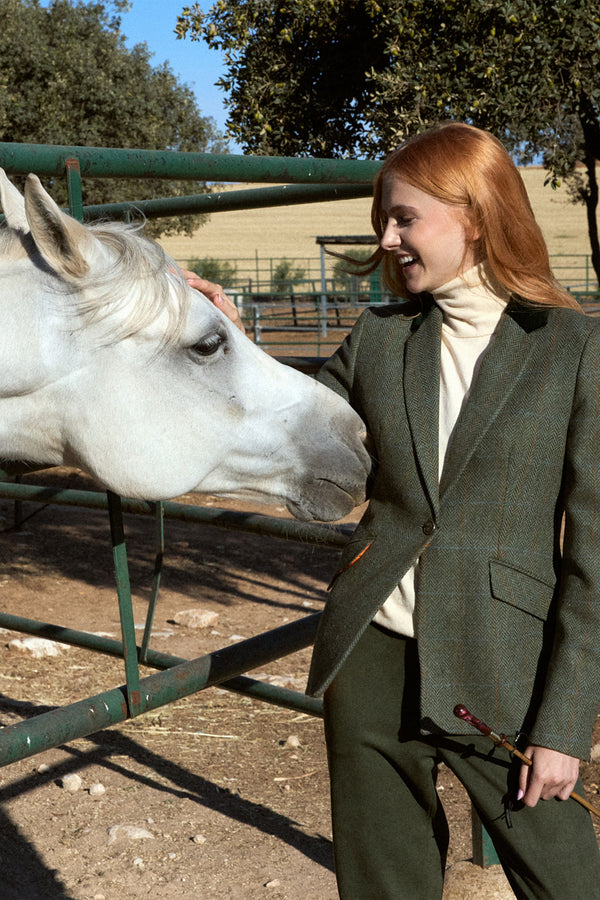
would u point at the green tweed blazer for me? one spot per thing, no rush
(507, 613)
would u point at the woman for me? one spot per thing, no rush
(481, 393)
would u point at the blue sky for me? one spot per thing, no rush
(153, 22)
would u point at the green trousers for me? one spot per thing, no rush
(389, 829)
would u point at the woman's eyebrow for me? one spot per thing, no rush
(401, 209)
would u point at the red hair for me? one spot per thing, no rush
(470, 169)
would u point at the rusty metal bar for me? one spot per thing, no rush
(45, 159)
(154, 659)
(256, 198)
(79, 719)
(159, 543)
(326, 535)
(132, 671)
(84, 639)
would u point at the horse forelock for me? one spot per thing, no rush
(139, 284)
(136, 284)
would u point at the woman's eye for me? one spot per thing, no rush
(209, 344)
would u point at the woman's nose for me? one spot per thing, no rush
(390, 238)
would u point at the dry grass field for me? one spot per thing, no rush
(290, 232)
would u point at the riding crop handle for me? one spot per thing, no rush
(500, 740)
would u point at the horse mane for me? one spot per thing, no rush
(142, 282)
(130, 293)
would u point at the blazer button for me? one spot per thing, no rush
(429, 527)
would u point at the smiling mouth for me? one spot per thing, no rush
(407, 261)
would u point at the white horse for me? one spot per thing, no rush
(110, 362)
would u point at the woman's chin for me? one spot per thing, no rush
(414, 283)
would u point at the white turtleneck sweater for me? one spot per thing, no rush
(471, 305)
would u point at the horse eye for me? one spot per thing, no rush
(209, 344)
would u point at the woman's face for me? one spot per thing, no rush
(427, 237)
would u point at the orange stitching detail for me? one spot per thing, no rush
(356, 558)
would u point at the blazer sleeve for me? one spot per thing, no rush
(571, 693)
(339, 371)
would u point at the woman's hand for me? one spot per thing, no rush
(215, 294)
(552, 774)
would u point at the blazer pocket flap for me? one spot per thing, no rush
(520, 589)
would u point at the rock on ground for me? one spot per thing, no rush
(36, 647)
(196, 618)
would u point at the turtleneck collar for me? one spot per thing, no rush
(472, 303)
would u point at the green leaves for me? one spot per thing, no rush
(296, 75)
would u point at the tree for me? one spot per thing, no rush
(67, 77)
(285, 275)
(218, 271)
(296, 79)
(525, 69)
(350, 278)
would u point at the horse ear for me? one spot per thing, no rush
(64, 242)
(13, 205)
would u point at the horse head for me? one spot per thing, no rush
(110, 362)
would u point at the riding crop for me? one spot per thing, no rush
(500, 740)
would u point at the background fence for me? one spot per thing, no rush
(297, 305)
(271, 277)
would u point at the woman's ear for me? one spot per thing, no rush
(473, 232)
(472, 225)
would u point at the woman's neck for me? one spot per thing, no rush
(472, 303)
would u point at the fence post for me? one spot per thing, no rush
(323, 329)
(587, 272)
(484, 852)
(256, 322)
(130, 652)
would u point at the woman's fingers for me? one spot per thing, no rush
(551, 775)
(216, 295)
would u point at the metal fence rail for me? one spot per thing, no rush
(136, 696)
(100, 162)
(258, 275)
(179, 678)
(271, 526)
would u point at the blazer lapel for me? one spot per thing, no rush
(501, 367)
(421, 395)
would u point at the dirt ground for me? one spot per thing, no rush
(229, 795)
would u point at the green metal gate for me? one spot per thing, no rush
(306, 181)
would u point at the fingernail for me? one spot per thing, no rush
(219, 299)
(520, 794)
